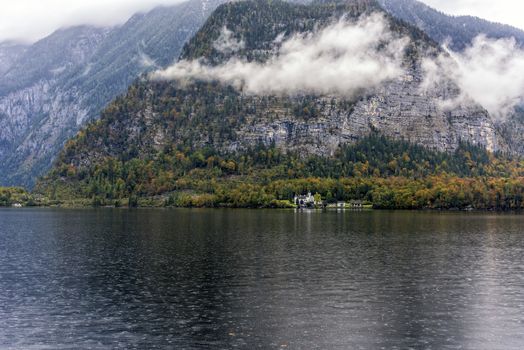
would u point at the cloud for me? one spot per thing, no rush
(490, 72)
(343, 58)
(227, 43)
(146, 61)
(30, 20)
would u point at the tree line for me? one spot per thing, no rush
(386, 173)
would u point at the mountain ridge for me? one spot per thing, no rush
(441, 27)
(44, 109)
(334, 121)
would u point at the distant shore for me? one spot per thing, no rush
(149, 204)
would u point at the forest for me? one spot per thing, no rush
(17, 196)
(388, 174)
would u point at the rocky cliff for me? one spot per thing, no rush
(458, 33)
(34, 110)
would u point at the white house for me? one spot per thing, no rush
(304, 201)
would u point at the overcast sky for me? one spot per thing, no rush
(29, 20)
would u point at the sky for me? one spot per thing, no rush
(30, 20)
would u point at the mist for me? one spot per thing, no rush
(30, 20)
(227, 43)
(490, 72)
(343, 58)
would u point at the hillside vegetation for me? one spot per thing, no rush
(386, 173)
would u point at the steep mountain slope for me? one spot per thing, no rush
(28, 94)
(51, 57)
(153, 116)
(441, 27)
(9, 54)
(460, 31)
(64, 80)
(145, 42)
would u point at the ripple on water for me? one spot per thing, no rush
(208, 279)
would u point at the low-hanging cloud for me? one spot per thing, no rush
(343, 58)
(490, 72)
(227, 43)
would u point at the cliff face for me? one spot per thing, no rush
(153, 116)
(398, 110)
(512, 130)
(51, 88)
(36, 120)
(458, 32)
(34, 108)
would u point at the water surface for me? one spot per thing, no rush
(222, 279)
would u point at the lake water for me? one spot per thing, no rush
(248, 279)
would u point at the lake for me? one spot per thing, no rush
(248, 279)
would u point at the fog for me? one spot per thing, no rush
(30, 20)
(490, 72)
(343, 58)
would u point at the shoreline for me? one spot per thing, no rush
(296, 209)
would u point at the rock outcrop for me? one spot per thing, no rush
(399, 109)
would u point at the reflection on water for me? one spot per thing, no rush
(208, 279)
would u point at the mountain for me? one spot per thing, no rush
(461, 30)
(192, 135)
(230, 120)
(51, 88)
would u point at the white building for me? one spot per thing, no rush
(305, 201)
